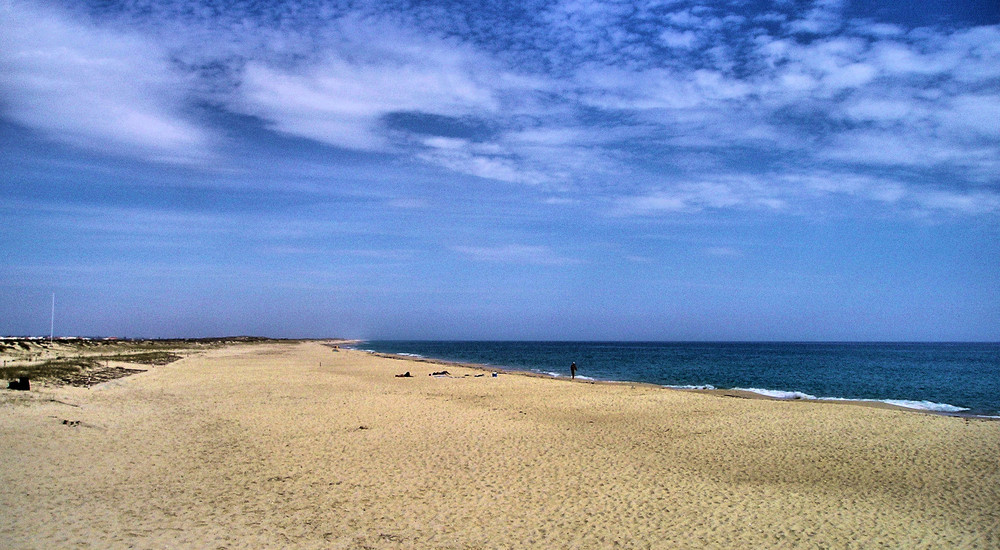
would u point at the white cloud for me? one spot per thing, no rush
(792, 191)
(714, 85)
(515, 254)
(905, 147)
(819, 69)
(409, 203)
(976, 202)
(876, 30)
(978, 48)
(900, 58)
(610, 88)
(554, 157)
(723, 251)
(684, 40)
(976, 113)
(770, 17)
(653, 203)
(467, 161)
(823, 18)
(915, 198)
(490, 161)
(722, 193)
(341, 99)
(685, 18)
(95, 88)
(853, 75)
(879, 109)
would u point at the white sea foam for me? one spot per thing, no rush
(563, 375)
(924, 405)
(918, 405)
(908, 404)
(691, 387)
(779, 394)
(400, 354)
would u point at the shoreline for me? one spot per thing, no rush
(78, 347)
(738, 393)
(93, 347)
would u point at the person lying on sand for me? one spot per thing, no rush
(404, 375)
(440, 373)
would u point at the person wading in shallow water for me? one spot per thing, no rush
(572, 370)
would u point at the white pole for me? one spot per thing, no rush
(52, 322)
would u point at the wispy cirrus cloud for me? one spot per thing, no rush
(341, 95)
(796, 193)
(515, 254)
(96, 88)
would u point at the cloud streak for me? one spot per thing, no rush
(515, 254)
(96, 88)
(342, 98)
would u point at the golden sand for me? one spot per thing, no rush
(298, 445)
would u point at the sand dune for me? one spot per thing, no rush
(298, 445)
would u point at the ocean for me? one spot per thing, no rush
(953, 378)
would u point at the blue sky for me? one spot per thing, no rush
(662, 170)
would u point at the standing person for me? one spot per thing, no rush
(572, 370)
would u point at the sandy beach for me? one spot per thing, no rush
(273, 445)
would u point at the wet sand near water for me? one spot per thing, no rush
(299, 445)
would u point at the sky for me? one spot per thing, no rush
(620, 170)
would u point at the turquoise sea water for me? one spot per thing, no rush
(958, 378)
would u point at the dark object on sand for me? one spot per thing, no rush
(21, 383)
(440, 373)
(404, 375)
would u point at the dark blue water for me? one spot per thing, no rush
(949, 377)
